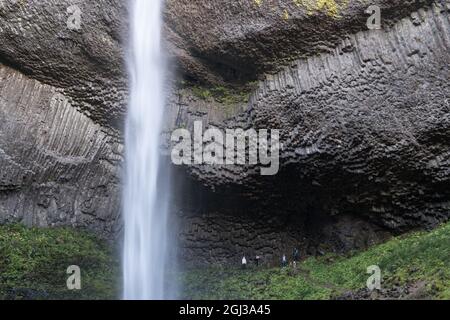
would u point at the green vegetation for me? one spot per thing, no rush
(223, 95)
(419, 257)
(33, 264)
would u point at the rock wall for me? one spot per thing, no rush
(43, 39)
(237, 41)
(364, 118)
(382, 95)
(217, 228)
(365, 151)
(58, 167)
(63, 98)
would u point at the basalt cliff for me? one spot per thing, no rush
(364, 118)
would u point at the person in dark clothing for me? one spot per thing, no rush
(257, 259)
(296, 255)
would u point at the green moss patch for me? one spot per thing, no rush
(221, 94)
(34, 262)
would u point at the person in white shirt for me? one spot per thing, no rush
(244, 262)
(284, 262)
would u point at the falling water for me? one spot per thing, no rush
(145, 196)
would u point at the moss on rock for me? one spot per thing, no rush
(221, 94)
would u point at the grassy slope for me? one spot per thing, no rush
(33, 264)
(404, 260)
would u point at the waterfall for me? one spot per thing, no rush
(145, 195)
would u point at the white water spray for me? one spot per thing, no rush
(145, 194)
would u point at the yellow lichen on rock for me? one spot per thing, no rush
(258, 2)
(331, 7)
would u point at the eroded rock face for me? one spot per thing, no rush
(44, 40)
(62, 110)
(58, 166)
(365, 147)
(364, 117)
(235, 41)
(373, 113)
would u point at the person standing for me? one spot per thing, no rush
(284, 261)
(257, 259)
(244, 262)
(296, 255)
